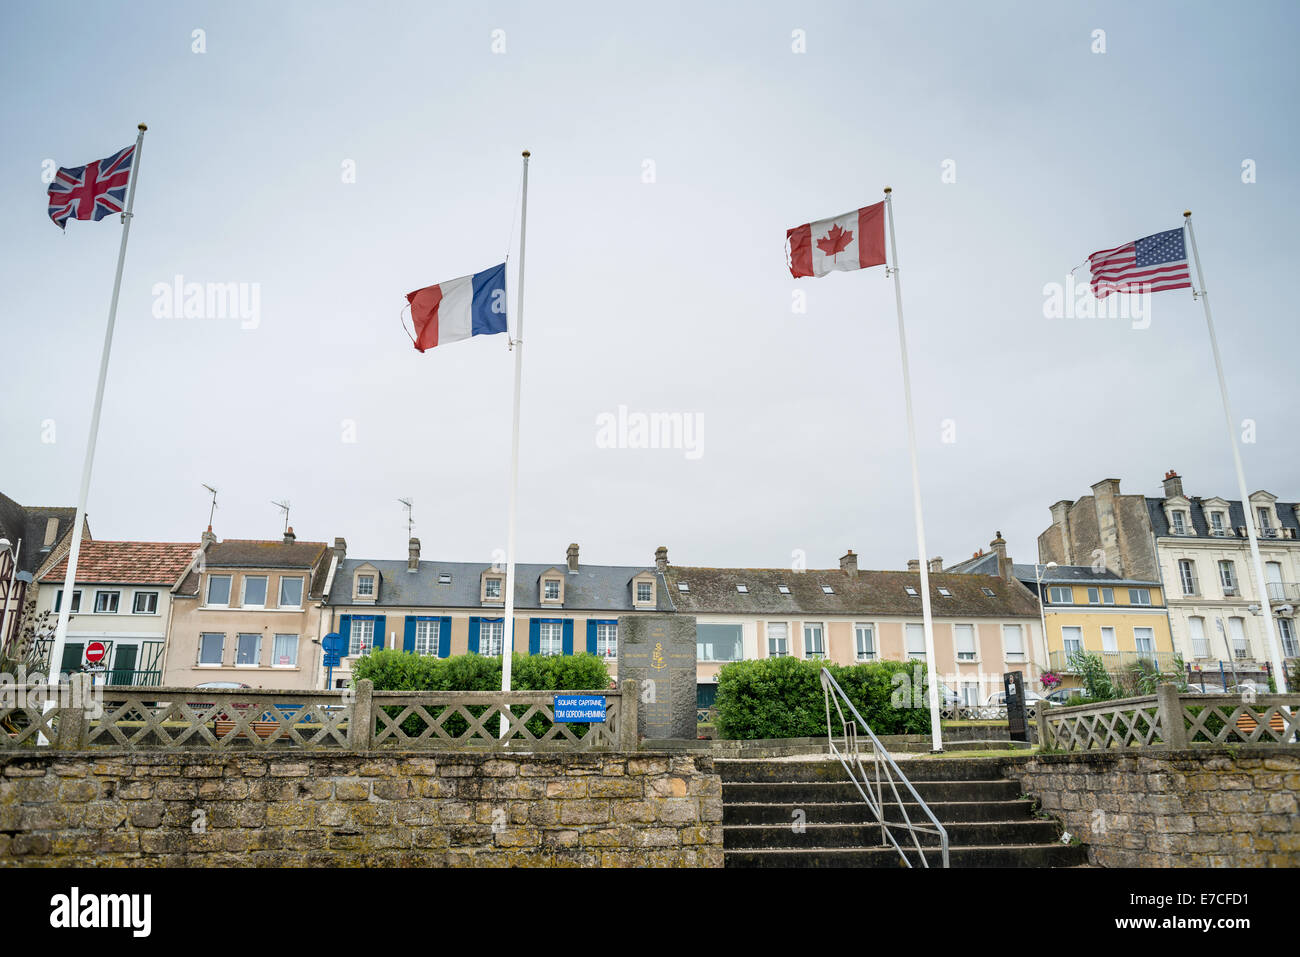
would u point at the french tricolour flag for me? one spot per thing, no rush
(459, 308)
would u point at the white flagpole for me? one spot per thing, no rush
(1274, 648)
(936, 738)
(518, 345)
(70, 578)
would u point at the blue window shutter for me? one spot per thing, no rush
(380, 621)
(345, 629)
(444, 637)
(566, 637)
(591, 636)
(534, 636)
(473, 635)
(408, 635)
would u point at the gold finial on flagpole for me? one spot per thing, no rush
(889, 189)
(527, 154)
(141, 127)
(1187, 214)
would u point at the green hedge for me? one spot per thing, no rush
(393, 670)
(782, 698)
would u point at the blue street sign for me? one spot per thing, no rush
(332, 661)
(580, 708)
(334, 644)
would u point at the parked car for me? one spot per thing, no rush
(1062, 695)
(1033, 701)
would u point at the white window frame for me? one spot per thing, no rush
(302, 588)
(491, 585)
(551, 590)
(243, 591)
(1286, 631)
(644, 593)
(864, 650)
(135, 602)
(1141, 634)
(1217, 525)
(1139, 596)
(1178, 519)
(239, 642)
(550, 638)
(1075, 639)
(1237, 634)
(1019, 632)
(372, 579)
(1228, 574)
(428, 635)
(778, 639)
(221, 649)
(1109, 640)
(1098, 595)
(115, 594)
(275, 657)
(495, 637)
(1187, 575)
(230, 586)
(1055, 591)
(911, 629)
(607, 639)
(76, 602)
(813, 629)
(1200, 640)
(964, 655)
(361, 637)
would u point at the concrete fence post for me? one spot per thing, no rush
(361, 724)
(628, 739)
(72, 714)
(1043, 742)
(1172, 727)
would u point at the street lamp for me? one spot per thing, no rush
(1042, 613)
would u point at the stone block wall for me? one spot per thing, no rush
(1211, 807)
(375, 809)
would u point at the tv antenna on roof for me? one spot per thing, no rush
(284, 507)
(410, 517)
(214, 503)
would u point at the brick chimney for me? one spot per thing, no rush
(413, 555)
(289, 536)
(571, 556)
(1061, 523)
(1173, 484)
(849, 564)
(913, 564)
(340, 549)
(661, 557)
(936, 564)
(207, 538)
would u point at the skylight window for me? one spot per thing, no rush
(444, 578)
(743, 589)
(683, 587)
(828, 589)
(783, 589)
(987, 591)
(910, 590)
(944, 592)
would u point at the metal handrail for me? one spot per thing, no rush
(873, 793)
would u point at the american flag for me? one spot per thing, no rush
(1151, 264)
(92, 191)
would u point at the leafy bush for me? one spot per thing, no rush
(1091, 670)
(783, 698)
(394, 670)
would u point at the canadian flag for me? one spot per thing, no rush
(854, 240)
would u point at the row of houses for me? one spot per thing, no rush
(254, 612)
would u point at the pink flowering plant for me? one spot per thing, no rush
(1050, 680)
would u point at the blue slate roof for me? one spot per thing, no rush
(1286, 517)
(1074, 575)
(592, 588)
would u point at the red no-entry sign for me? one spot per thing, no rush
(95, 651)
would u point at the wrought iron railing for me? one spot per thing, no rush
(871, 785)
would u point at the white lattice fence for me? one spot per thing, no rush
(433, 719)
(1259, 719)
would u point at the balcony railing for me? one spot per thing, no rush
(1281, 592)
(1166, 661)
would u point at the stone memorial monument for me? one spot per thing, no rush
(659, 652)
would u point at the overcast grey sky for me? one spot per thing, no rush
(669, 295)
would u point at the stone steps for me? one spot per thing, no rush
(783, 813)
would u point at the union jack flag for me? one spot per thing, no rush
(92, 191)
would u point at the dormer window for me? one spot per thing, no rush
(1180, 522)
(644, 593)
(551, 591)
(743, 589)
(1265, 523)
(1216, 523)
(365, 586)
(492, 589)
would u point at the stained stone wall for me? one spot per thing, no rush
(1220, 807)
(659, 652)
(131, 808)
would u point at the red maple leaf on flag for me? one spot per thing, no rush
(836, 240)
